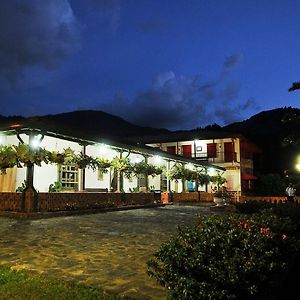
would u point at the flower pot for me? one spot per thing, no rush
(218, 201)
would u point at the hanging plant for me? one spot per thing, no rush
(146, 169)
(103, 165)
(218, 180)
(27, 156)
(69, 156)
(56, 157)
(85, 161)
(204, 178)
(8, 158)
(122, 165)
(179, 172)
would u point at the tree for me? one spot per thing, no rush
(295, 86)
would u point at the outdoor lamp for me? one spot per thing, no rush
(35, 141)
(298, 164)
(137, 159)
(102, 149)
(157, 160)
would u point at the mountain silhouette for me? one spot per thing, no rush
(84, 123)
(268, 130)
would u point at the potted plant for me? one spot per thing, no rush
(221, 196)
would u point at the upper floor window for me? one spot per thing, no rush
(187, 150)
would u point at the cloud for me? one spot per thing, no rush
(110, 10)
(233, 60)
(35, 33)
(178, 102)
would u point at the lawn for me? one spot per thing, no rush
(22, 285)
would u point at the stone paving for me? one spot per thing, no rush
(106, 249)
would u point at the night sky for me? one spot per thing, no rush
(176, 64)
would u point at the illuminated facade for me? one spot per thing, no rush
(233, 152)
(74, 179)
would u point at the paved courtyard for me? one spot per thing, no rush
(106, 249)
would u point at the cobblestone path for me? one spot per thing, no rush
(106, 249)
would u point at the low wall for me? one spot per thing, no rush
(49, 202)
(10, 201)
(190, 197)
(74, 201)
(265, 198)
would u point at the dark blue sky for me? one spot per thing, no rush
(174, 64)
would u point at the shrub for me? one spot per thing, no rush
(253, 206)
(270, 185)
(225, 257)
(55, 187)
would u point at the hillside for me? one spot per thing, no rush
(268, 131)
(87, 123)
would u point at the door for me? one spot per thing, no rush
(187, 150)
(229, 153)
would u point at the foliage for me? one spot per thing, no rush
(134, 190)
(28, 157)
(8, 158)
(22, 285)
(120, 164)
(179, 171)
(22, 187)
(252, 207)
(56, 157)
(269, 185)
(55, 187)
(282, 210)
(295, 86)
(83, 161)
(218, 180)
(146, 169)
(226, 257)
(103, 164)
(222, 193)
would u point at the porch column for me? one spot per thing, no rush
(120, 177)
(83, 171)
(29, 196)
(146, 176)
(168, 179)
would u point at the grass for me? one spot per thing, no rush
(20, 285)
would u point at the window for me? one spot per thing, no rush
(142, 181)
(211, 150)
(229, 152)
(68, 176)
(171, 149)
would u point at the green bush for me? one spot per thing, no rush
(270, 185)
(226, 257)
(55, 187)
(252, 207)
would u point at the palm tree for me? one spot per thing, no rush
(295, 86)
